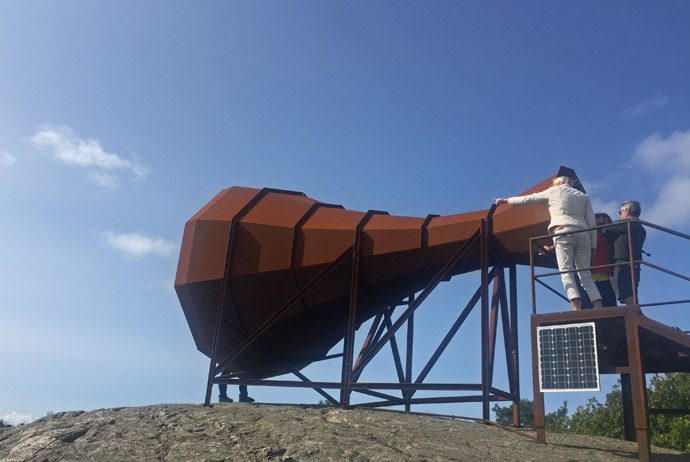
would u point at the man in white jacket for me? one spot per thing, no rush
(570, 211)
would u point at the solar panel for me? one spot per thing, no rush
(568, 357)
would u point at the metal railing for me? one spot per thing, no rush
(536, 278)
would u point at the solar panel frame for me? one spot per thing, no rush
(567, 357)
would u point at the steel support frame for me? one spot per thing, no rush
(383, 331)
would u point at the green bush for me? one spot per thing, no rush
(670, 391)
(556, 421)
(665, 391)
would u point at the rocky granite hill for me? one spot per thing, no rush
(264, 432)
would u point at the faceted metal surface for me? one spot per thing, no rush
(284, 239)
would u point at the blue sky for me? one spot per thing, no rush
(119, 120)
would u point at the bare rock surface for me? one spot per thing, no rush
(287, 433)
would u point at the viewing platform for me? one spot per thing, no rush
(627, 343)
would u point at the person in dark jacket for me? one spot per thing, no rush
(620, 249)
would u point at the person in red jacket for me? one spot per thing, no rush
(602, 276)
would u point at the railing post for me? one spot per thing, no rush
(531, 273)
(632, 265)
(514, 343)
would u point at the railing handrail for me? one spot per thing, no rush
(616, 223)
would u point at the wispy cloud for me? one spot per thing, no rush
(640, 109)
(104, 179)
(672, 207)
(7, 159)
(603, 188)
(609, 207)
(666, 154)
(15, 418)
(138, 245)
(102, 167)
(669, 159)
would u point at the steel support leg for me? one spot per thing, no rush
(514, 344)
(638, 389)
(408, 357)
(484, 256)
(628, 416)
(224, 288)
(349, 343)
(539, 415)
(493, 322)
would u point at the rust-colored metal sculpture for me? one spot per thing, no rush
(271, 280)
(282, 240)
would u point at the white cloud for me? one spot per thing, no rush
(668, 159)
(6, 159)
(593, 187)
(102, 167)
(670, 154)
(14, 418)
(137, 245)
(609, 207)
(104, 180)
(672, 207)
(638, 110)
(603, 188)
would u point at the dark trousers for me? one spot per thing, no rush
(608, 296)
(223, 389)
(625, 282)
